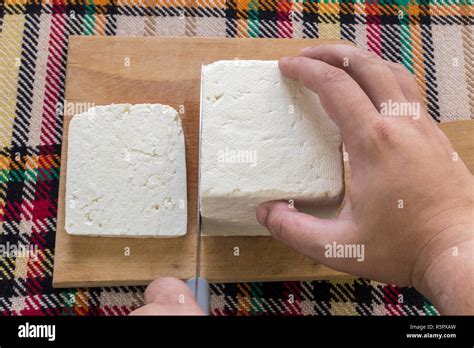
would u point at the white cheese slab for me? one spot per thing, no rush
(264, 137)
(126, 172)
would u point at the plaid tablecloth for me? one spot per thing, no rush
(433, 39)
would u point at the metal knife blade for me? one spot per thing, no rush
(198, 285)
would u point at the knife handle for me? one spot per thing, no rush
(202, 292)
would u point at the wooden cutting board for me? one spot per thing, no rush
(105, 70)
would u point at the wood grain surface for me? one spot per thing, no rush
(106, 70)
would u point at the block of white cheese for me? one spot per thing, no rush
(264, 137)
(126, 172)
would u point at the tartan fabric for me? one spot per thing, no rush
(433, 39)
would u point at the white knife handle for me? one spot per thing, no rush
(202, 294)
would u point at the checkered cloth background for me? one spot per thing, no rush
(433, 39)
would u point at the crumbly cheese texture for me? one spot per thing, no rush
(264, 137)
(126, 172)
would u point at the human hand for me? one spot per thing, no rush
(168, 296)
(411, 199)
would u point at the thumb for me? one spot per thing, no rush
(168, 296)
(305, 233)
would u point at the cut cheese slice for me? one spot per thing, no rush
(264, 137)
(126, 172)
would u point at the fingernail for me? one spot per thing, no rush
(305, 50)
(262, 213)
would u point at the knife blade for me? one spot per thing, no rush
(198, 285)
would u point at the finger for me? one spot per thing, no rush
(304, 233)
(163, 309)
(366, 68)
(171, 294)
(342, 98)
(413, 94)
(406, 81)
(167, 290)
